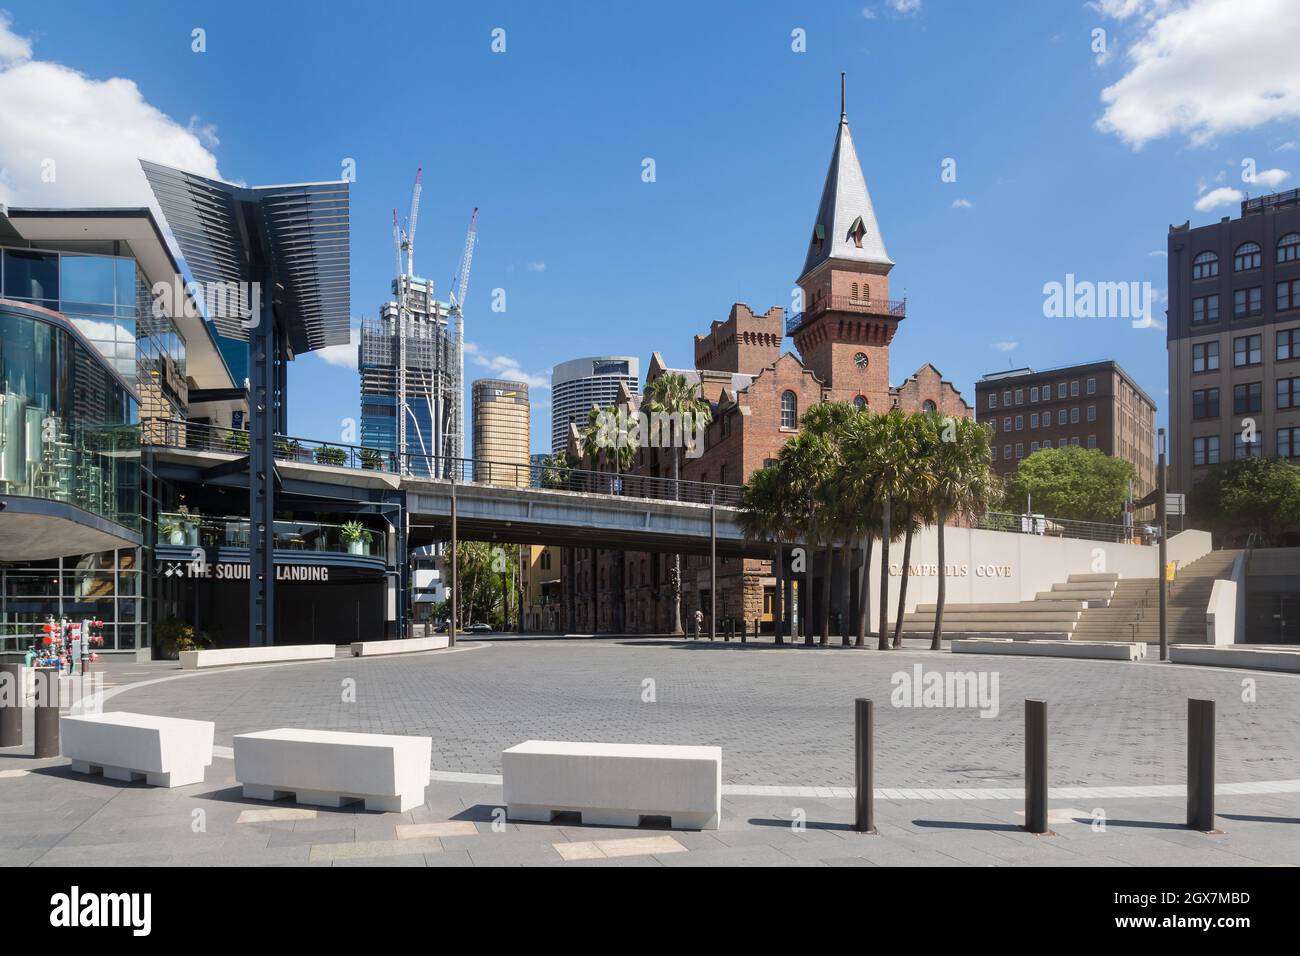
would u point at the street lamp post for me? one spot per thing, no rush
(1162, 519)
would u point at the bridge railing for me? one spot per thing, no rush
(172, 433)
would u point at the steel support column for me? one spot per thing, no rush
(262, 415)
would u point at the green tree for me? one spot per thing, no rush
(920, 434)
(673, 396)
(1259, 496)
(1084, 484)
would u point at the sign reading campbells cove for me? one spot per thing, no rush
(236, 571)
(953, 570)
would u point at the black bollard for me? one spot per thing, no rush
(46, 721)
(1036, 766)
(11, 705)
(864, 798)
(1200, 765)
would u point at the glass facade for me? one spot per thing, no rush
(104, 586)
(107, 299)
(69, 428)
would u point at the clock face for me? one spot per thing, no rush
(860, 360)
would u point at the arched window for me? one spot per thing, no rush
(929, 406)
(854, 293)
(866, 292)
(1288, 247)
(1247, 257)
(860, 402)
(1205, 265)
(789, 410)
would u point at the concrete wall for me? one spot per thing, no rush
(1221, 615)
(1186, 546)
(1002, 566)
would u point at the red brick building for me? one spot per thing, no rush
(758, 393)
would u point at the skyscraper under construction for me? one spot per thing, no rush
(411, 361)
(417, 340)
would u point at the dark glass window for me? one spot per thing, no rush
(1205, 309)
(1205, 357)
(1288, 393)
(32, 276)
(1288, 344)
(1247, 398)
(1288, 442)
(789, 410)
(1247, 449)
(1205, 403)
(1288, 295)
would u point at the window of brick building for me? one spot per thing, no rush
(1288, 247)
(1247, 257)
(789, 410)
(1205, 266)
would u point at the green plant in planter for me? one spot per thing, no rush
(329, 455)
(288, 448)
(237, 441)
(356, 536)
(174, 635)
(371, 459)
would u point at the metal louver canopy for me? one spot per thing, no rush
(232, 236)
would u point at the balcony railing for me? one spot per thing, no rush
(189, 530)
(886, 308)
(170, 433)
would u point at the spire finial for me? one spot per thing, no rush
(842, 113)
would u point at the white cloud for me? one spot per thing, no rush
(1288, 146)
(537, 267)
(868, 13)
(344, 356)
(962, 204)
(1272, 178)
(1203, 67)
(1223, 196)
(905, 6)
(507, 367)
(89, 133)
(1004, 346)
(1159, 253)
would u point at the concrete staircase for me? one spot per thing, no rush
(1133, 612)
(1051, 615)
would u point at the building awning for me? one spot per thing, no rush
(234, 236)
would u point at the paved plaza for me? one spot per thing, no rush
(948, 779)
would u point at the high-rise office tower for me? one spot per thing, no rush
(579, 383)
(501, 432)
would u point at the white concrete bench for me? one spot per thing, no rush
(225, 656)
(1095, 650)
(165, 751)
(613, 784)
(1233, 655)
(328, 768)
(408, 645)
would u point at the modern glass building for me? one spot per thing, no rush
(89, 356)
(579, 383)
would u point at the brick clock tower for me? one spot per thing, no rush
(848, 319)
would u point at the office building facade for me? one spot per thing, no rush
(579, 383)
(1234, 338)
(1094, 405)
(501, 432)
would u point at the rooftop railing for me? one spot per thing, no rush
(886, 308)
(170, 433)
(1064, 528)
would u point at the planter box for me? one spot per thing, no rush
(225, 656)
(408, 645)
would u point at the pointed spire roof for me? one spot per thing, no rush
(845, 227)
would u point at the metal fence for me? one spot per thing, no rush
(170, 433)
(1064, 528)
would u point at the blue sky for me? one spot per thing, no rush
(548, 139)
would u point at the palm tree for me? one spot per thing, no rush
(672, 395)
(608, 445)
(805, 467)
(863, 445)
(832, 514)
(921, 434)
(762, 515)
(886, 454)
(963, 485)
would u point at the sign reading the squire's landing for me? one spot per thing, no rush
(233, 571)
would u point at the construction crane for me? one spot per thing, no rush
(405, 242)
(457, 308)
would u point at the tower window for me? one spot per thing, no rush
(854, 293)
(818, 237)
(789, 410)
(860, 402)
(929, 406)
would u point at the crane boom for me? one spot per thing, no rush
(458, 307)
(411, 221)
